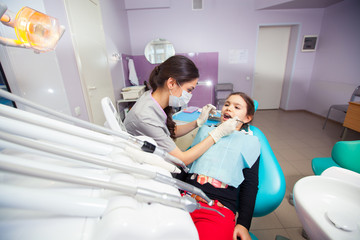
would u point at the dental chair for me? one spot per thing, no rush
(272, 184)
(344, 154)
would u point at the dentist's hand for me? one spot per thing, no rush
(204, 115)
(224, 129)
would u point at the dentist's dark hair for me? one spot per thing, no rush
(179, 67)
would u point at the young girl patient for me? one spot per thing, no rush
(228, 174)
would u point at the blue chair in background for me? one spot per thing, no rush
(344, 154)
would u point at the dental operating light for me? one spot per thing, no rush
(34, 30)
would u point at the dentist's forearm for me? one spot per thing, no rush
(181, 130)
(195, 152)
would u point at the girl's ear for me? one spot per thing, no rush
(248, 119)
(171, 83)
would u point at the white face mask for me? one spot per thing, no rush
(179, 101)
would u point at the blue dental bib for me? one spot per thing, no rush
(226, 159)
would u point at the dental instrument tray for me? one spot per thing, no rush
(133, 92)
(190, 109)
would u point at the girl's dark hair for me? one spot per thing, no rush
(179, 67)
(250, 106)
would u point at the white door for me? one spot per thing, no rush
(272, 50)
(90, 49)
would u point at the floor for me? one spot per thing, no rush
(296, 137)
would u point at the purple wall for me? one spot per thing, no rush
(336, 69)
(318, 79)
(223, 27)
(67, 60)
(207, 64)
(117, 39)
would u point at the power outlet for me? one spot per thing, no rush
(77, 111)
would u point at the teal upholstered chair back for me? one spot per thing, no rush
(272, 184)
(347, 155)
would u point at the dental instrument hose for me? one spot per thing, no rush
(102, 161)
(144, 145)
(8, 163)
(63, 127)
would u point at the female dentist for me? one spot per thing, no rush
(172, 83)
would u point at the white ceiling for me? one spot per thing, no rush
(298, 4)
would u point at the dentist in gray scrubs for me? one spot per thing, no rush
(172, 83)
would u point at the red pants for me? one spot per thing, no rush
(211, 225)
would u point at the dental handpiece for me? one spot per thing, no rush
(185, 202)
(211, 209)
(101, 161)
(183, 186)
(12, 164)
(240, 121)
(151, 148)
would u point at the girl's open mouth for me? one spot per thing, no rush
(226, 116)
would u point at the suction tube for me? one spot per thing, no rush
(144, 145)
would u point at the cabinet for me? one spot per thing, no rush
(352, 118)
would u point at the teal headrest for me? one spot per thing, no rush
(256, 104)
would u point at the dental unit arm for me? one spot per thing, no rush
(101, 161)
(13, 165)
(131, 140)
(47, 124)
